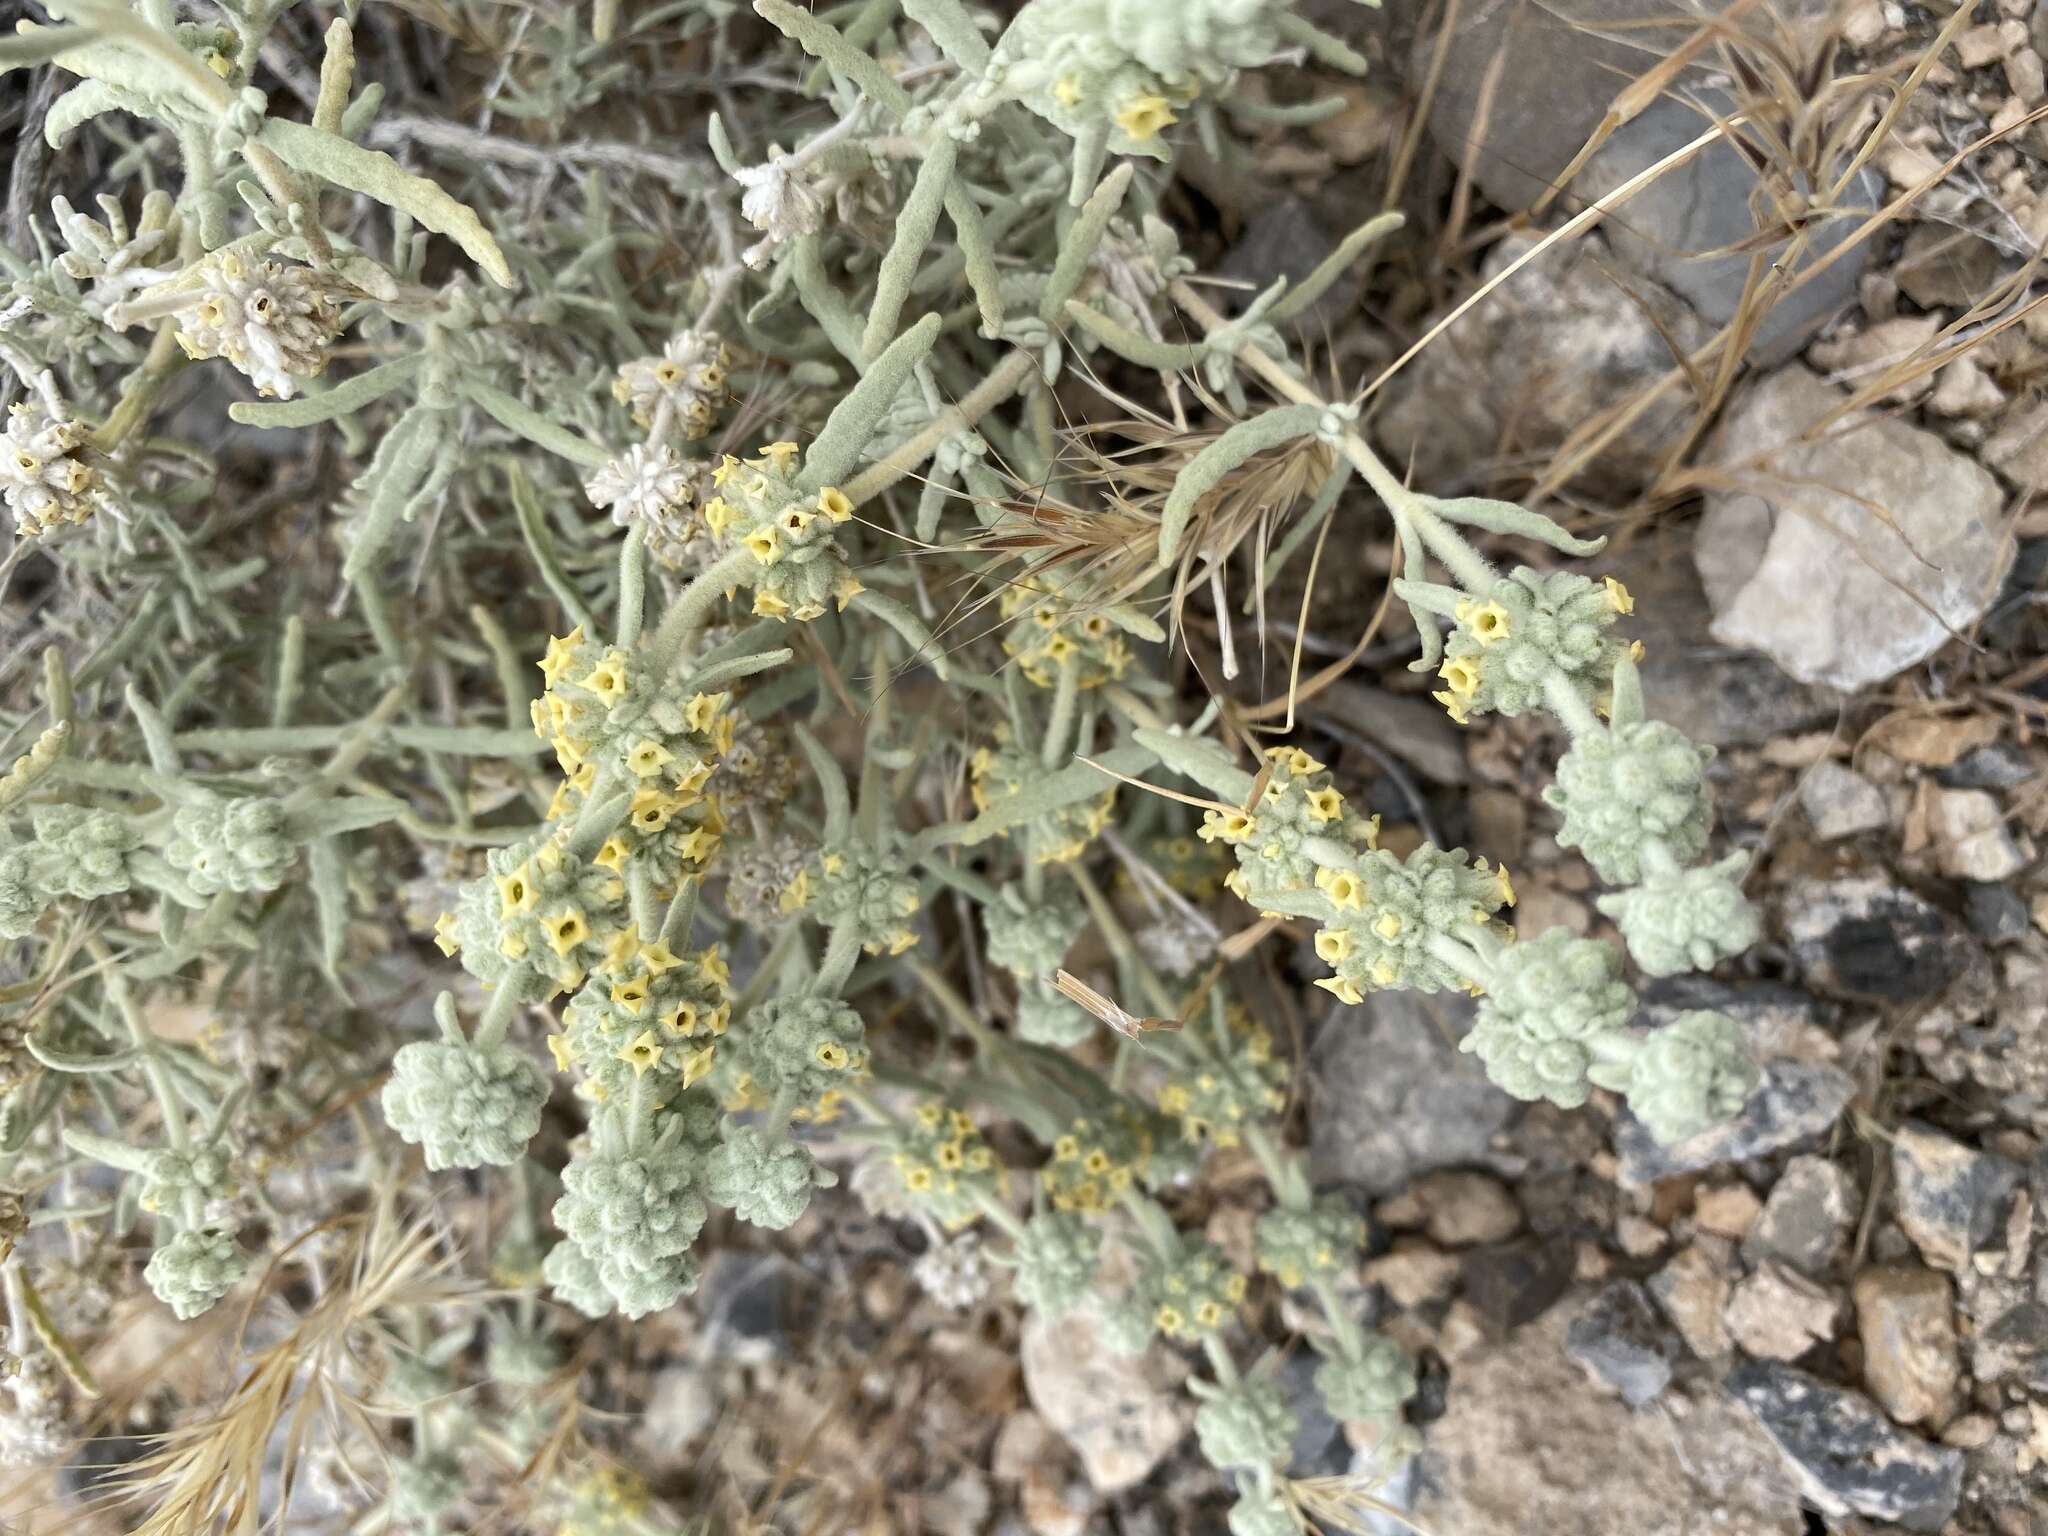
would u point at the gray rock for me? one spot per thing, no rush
(1840, 802)
(1570, 58)
(1996, 913)
(1520, 372)
(1285, 239)
(1320, 1449)
(2014, 1347)
(758, 1304)
(1997, 766)
(1796, 1100)
(1850, 1459)
(1391, 1096)
(2019, 448)
(1716, 694)
(1866, 937)
(1528, 1443)
(1806, 1219)
(1952, 1200)
(1516, 1283)
(1905, 1319)
(1623, 1339)
(1671, 228)
(1799, 566)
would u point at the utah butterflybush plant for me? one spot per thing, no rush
(621, 666)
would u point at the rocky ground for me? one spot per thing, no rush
(1831, 1314)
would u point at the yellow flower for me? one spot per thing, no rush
(797, 894)
(516, 892)
(1489, 622)
(1294, 760)
(1333, 944)
(444, 934)
(1066, 1149)
(835, 504)
(566, 930)
(630, 995)
(641, 1052)
(558, 1047)
(1388, 927)
(1618, 597)
(647, 757)
(1507, 886)
(917, 1179)
(846, 590)
(793, 520)
(831, 1055)
(1143, 116)
(657, 957)
(702, 710)
(1383, 973)
(1462, 675)
(512, 947)
(712, 967)
(764, 545)
(1345, 890)
(1341, 988)
(651, 810)
(612, 855)
(608, 679)
(1229, 826)
(559, 653)
(781, 455)
(1169, 1318)
(697, 1063)
(768, 606)
(1636, 650)
(1325, 805)
(718, 515)
(1454, 705)
(1067, 91)
(726, 465)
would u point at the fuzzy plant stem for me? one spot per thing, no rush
(691, 609)
(842, 951)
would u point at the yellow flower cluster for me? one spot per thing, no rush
(1051, 635)
(997, 773)
(789, 534)
(1097, 1161)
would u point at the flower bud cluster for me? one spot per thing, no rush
(231, 844)
(1527, 633)
(1000, 772)
(799, 568)
(70, 853)
(1052, 634)
(46, 476)
(273, 322)
(948, 1171)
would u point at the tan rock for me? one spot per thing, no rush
(1693, 1289)
(1905, 1320)
(1726, 1210)
(1775, 1314)
(1120, 1414)
(1413, 1273)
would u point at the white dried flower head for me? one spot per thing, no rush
(271, 321)
(678, 389)
(779, 202)
(32, 1429)
(954, 1272)
(641, 485)
(44, 478)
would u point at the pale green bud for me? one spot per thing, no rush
(765, 1181)
(1248, 1424)
(194, 1270)
(1629, 785)
(467, 1105)
(1693, 1073)
(1555, 1010)
(1056, 1259)
(1688, 921)
(1374, 1382)
(230, 845)
(1031, 940)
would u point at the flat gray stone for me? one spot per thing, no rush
(1391, 1096)
(1850, 1458)
(1849, 558)
(1624, 1341)
(1951, 1199)
(1795, 1101)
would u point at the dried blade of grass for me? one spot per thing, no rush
(207, 1477)
(1914, 78)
